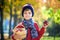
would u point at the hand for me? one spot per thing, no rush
(17, 37)
(20, 34)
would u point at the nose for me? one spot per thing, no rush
(27, 13)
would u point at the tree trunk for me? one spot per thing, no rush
(10, 20)
(1, 19)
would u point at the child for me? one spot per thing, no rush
(32, 31)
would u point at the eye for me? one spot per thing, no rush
(29, 12)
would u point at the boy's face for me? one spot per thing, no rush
(27, 14)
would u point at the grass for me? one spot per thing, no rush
(47, 38)
(50, 38)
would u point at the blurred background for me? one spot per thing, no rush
(10, 16)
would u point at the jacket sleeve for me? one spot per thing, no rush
(40, 31)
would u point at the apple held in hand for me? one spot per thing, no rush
(45, 23)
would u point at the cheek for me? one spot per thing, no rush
(25, 15)
(30, 15)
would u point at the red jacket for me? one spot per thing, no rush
(40, 33)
